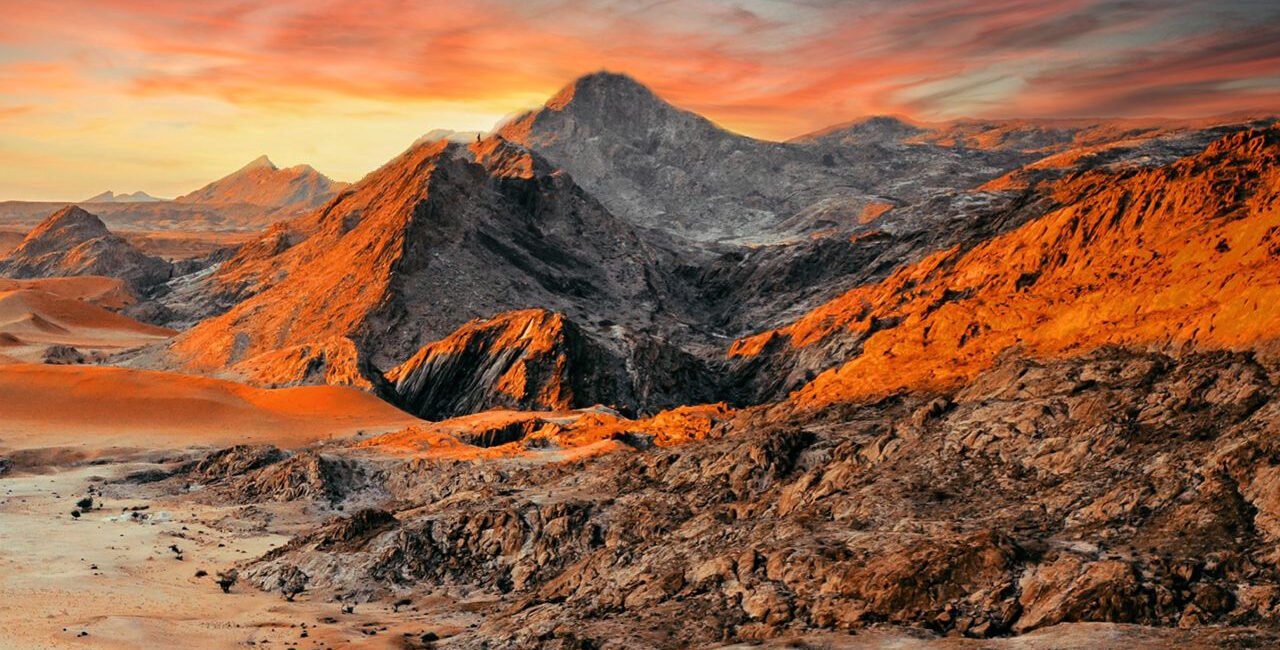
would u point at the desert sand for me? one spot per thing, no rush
(108, 293)
(32, 319)
(109, 580)
(90, 408)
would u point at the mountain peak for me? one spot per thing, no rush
(63, 229)
(74, 242)
(71, 216)
(105, 197)
(261, 162)
(612, 80)
(598, 102)
(600, 87)
(865, 130)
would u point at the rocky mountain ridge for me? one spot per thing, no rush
(665, 169)
(1168, 257)
(483, 228)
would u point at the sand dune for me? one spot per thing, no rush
(108, 293)
(95, 407)
(34, 319)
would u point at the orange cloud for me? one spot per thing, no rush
(773, 68)
(770, 68)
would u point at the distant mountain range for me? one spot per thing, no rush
(261, 183)
(251, 198)
(112, 197)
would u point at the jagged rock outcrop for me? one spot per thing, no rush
(61, 355)
(538, 360)
(529, 360)
(262, 473)
(73, 242)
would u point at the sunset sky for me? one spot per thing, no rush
(163, 95)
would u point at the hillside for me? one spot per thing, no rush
(441, 235)
(1174, 257)
(72, 242)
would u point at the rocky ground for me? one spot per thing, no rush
(1129, 489)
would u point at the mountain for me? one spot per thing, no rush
(261, 183)
(965, 382)
(112, 197)
(73, 242)
(666, 169)
(249, 199)
(1178, 256)
(443, 234)
(1070, 420)
(1042, 137)
(420, 278)
(881, 129)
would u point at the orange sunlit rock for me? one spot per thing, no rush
(1175, 256)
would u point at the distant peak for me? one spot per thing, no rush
(111, 197)
(871, 128)
(261, 162)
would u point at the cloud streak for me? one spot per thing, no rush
(766, 67)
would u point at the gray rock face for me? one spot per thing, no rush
(73, 242)
(666, 169)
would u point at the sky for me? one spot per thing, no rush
(166, 95)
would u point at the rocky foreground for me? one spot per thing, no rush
(1118, 487)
